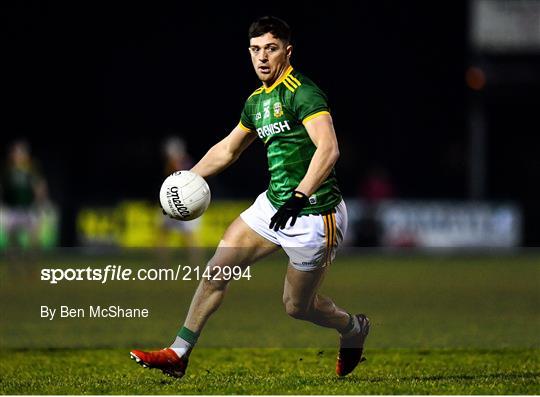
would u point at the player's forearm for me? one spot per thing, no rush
(217, 159)
(224, 153)
(322, 162)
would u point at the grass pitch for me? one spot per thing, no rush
(275, 371)
(440, 325)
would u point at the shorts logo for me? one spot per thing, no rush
(278, 110)
(310, 263)
(313, 199)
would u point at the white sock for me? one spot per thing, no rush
(355, 330)
(180, 346)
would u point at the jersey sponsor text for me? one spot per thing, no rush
(274, 128)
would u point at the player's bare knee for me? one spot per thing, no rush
(214, 285)
(297, 309)
(298, 312)
(214, 280)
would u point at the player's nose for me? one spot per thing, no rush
(263, 57)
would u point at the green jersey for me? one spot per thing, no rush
(278, 114)
(18, 185)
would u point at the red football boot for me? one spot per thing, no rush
(351, 348)
(166, 360)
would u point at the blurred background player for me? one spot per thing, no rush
(177, 158)
(176, 155)
(24, 197)
(376, 187)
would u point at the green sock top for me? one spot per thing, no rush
(188, 335)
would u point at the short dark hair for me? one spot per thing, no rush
(268, 24)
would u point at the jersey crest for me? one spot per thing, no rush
(278, 110)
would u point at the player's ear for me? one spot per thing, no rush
(288, 50)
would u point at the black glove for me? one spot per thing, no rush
(289, 210)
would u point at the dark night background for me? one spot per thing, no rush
(96, 88)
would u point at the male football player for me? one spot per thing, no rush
(302, 211)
